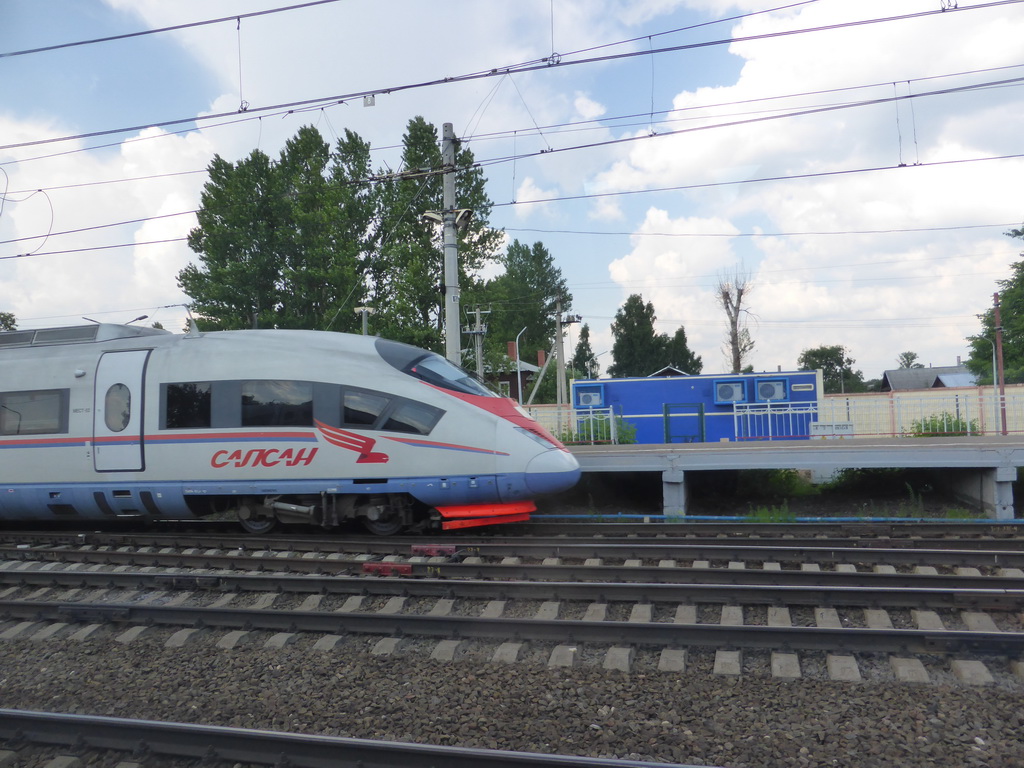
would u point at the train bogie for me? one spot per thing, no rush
(106, 421)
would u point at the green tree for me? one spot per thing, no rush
(238, 241)
(836, 367)
(908, 360)
(637, 349)
(8, 322)
(680, 355)
(406, 274)
(326, 247)
(584, 361)
(283, 244)
(1011, 310)
(526, 295)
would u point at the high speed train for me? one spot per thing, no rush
(106, 421)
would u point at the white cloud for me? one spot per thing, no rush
(880, 292)
(587, 108)
(527, 192)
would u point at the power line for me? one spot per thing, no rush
(756, 234)
(735, 123)
(490, 136)
(607, 122)
(712, 184)
(176, 27)
(547, 63)
(100, 226)
(94, 248)
(821, 174)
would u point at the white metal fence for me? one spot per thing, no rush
(965, 411)
(591, 425)
(970, 411)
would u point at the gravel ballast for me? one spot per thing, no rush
(688, 718)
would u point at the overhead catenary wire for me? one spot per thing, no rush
(322, 109)
(821, 174)
(499, 71)
(159, 30)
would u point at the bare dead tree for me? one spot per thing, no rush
(731, 293)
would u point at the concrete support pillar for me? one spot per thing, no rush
(673, 492)
(1004, 479)
(987, 488)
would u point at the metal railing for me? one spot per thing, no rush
(773, 421)
(592, 426)
(968, 411)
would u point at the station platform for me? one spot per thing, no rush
(980, 470)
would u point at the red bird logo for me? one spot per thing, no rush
(353, 442)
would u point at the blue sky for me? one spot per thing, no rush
(878, 227)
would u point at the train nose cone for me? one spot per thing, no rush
(552, 471)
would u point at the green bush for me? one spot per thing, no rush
(773, 483)
(592, 429)
(943, 424)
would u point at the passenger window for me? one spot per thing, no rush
(362, 409)
(187, 406)
(413, 417)
(34, 413)
(117, 407)
(277, 404)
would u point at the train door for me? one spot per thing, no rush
(117, 411)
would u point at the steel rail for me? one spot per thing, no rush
(560, 631)
(860, 594)
(647, 534)
(561, 572)
(582, 551)
(211, 743)
(540, 526)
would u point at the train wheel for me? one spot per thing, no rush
(259, 526)
(253, 523)
(389, 526)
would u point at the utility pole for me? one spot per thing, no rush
(452, 340)
(560, 352)
(559, 357)
(365, 311)
(999, 358)
(478, 331)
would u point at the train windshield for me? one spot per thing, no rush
(431, 368)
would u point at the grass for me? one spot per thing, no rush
(772, 514)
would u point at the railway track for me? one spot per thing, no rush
(936, 597)
(498, 621)
(106, 739)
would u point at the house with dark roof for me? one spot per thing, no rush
(903, 379)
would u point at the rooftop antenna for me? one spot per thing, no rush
(140, 317)
(91, 320)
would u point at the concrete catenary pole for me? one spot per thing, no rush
(999, 361)
(452, 338)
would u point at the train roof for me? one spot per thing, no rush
(75, 334)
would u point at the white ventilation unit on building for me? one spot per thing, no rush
(730, 392)
(771, 390)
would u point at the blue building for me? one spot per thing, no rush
(712, 408)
